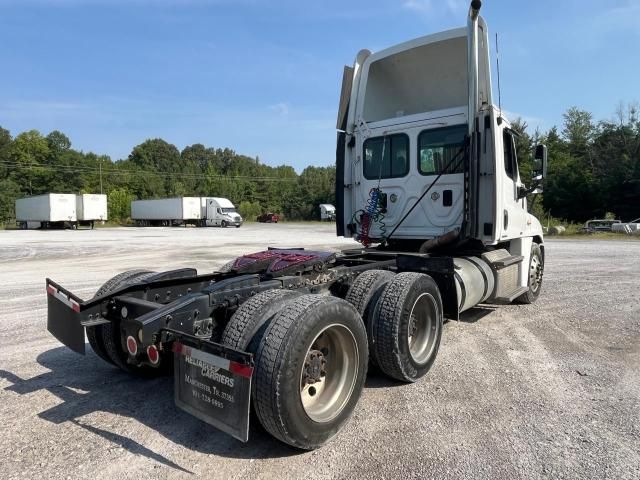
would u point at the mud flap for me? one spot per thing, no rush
(212, 388)
(63, 317)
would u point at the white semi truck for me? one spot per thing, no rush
(51, 210)
(167, 211)
(219, 212)
(427, 181)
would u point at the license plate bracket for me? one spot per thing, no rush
(212, 388)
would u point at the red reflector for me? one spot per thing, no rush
(51, 290)
(177, 347)
(132, 345)
(153, 354)
(240, 369)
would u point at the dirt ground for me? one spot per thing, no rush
(549, 390)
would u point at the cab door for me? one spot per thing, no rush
(514, 209)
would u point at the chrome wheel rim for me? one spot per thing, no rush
(535, 272)
(423, 328)
(329, 373)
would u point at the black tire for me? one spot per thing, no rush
(364, 294)
(398, 353)
(536, 272)
(223, 224)
(247, 325)
(280, 361)
(94, 334)
(237, 226)
(109, 333)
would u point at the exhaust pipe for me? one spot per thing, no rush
(471, 229)
(440, 241)
(474, 10)
(472, 64)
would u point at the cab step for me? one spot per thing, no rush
(510, 297)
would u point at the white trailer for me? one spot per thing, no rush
(91, 208)
(220, 212)
(327, 212)
(51, 210)
(167, 211)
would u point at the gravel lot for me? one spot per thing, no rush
(550, 390)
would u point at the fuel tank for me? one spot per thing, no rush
(474, 281)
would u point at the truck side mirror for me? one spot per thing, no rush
(539, 170)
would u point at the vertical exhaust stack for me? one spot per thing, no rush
(471, 227)
(472, 61)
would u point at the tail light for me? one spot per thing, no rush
(153, 354)
(132, 346)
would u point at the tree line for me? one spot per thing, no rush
(33, 164)
(594, 166)
(594, 170)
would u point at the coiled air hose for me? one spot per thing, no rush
(372, 212)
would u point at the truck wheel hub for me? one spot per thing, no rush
(535, 273)
(314, 367)
(329, 373)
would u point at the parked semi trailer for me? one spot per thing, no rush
(52, 210)
(167, 212)
(427, 180)
(91, 208)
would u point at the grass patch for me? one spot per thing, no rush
(596, 236)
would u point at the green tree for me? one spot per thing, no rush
(159, 157)
(29, 151)
(119, 204)
(578, 130)
(5, 152)
(58, 141)
(249, 210)
(9, 193)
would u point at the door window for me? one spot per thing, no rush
(510, 157)
(386, 157)
(437, 147)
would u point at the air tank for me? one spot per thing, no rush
(474, 281)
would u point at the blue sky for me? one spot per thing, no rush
(263, 77)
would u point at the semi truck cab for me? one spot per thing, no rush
(220, 212)
(425, 157)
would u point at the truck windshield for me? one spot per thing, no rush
(437, 147)
(228, 210)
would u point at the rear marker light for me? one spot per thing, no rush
(153, 354)
(240, 369)
(132, 346)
